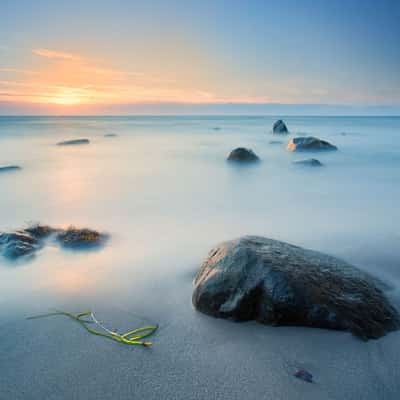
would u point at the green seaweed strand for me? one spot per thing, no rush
(133, 337)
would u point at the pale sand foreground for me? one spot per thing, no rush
(193, 357)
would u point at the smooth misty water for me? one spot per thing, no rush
(163, 190)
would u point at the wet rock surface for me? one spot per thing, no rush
(8, 168)
(273, 282)
(80, 238)
(275, 142)
(25, 242)
(310, 162)
(242, 154)
(17, 244)
(309, 143)
(304, 375)
(73, 142)
(280, 128)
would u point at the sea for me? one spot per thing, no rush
(163, 190)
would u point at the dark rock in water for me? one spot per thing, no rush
(217, 128)
(75, 238)
(275, 142)
(310, 162)
(40, 231)
(72, 142)
(304, 375)
(7, 168)
(26, 242)
(309, 143)
(17, 244)
(273, 282)
(242, 154)
(280, 128)
(110, 135)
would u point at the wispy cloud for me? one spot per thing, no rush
(70, 79)
(55, 54)
(18, 71)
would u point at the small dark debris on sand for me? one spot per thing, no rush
(304, 375)
(73, 142)
(8, 168)
(110, 135)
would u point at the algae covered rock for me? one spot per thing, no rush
(25, 242)
(80, 238)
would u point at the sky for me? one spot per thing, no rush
(155, 56)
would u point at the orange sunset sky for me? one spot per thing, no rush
(76, 56)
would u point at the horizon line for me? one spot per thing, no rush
(196, 115)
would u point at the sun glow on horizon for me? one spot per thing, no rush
(69, 96)
(67, 79)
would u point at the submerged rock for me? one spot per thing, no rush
(7, 168)
(73, 142)
(273, 282)
(304, 375)
(17, 244)
(309, 143)
(280, 128)
(80, 238)
(242, 154)
(27, 241)
(40, 231)
(275, 142)
(310, 162)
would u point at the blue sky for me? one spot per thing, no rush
(76, 55)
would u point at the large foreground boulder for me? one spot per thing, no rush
(243, 155)
(256, 278)
(309, 143)
(280, 128)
